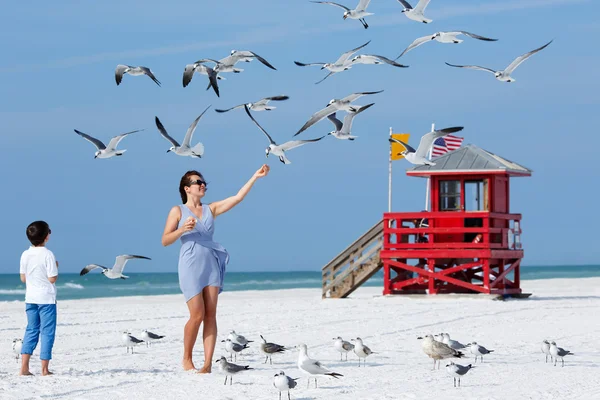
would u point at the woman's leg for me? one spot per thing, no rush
(210, 295)
(32, 335)
(190, 332)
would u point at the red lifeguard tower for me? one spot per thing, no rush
(469, 242)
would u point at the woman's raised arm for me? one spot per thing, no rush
(222, 206)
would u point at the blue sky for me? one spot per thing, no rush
(57, 74)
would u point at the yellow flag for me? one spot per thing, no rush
(397, 148)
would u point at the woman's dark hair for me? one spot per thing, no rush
(185, 181)
(37, 232)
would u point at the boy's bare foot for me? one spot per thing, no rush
(25, 373)
(46, 373)
(205, 370)
(188, 365)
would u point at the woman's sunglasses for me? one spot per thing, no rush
(197, 182)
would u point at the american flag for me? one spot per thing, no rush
(445, 144)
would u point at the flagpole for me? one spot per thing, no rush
(428, 178)
(390, 176)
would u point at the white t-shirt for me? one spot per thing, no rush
(38, 264)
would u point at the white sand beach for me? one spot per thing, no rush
(91, 363)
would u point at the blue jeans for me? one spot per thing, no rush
(41, 318)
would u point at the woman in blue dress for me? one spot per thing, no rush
(201, 260)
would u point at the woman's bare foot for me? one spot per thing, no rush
(46, 373)
(188, 365)
(25, 373)
(205, 370)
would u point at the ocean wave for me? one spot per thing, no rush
(71, 285)
(282, 282)
(12, 291)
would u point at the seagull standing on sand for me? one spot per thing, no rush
(233, 348)
(129, 341)
(234, 337)
(361, 350)
(260, 105)
(546, 350)
(438, 350)
(284, 383)
(17, 346)
(103, 150)
(342, 130)
(457, 370)
(443, 37)
(197, 151)
(504, 75)
(148, 337)
(268, 349)
(280, 149)
(556, 352)
(359, 13)
(133, 71)
(478, 350)
(456, 345)
(334, 105)
(230, 369)
(419, 156)
(116, 271)
(343, 347)
(311, 367)
(416, 14)
(341, 64)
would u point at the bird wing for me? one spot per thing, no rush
(362, 5)
(229, 109)
(347, 345)
(291, 382)
(428, 139)
(316, 117)
(350, 98)
(326, 76)
(336, 122)
(421, 5)
(522, 58)
(150, 74)
(416, 43)
(332, 3)
(119, 71)
(188, 135)
(313, 367)
(349, 117)
(307, 64)
(114, 142)
(442, 349)
(292, 144)
(188, 73)
(260, 127)
(382, 58)
(122, 260)
(273, 348)
(233, 368)
(154, 335)
(473, 67)
(409, 148)
(276, 98)
(90, 267)
(344, 57)
(405, 4)
(247, 53)
(474, 36)
(93, 140)
(164, 133)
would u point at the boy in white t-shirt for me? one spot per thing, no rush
(39, 271)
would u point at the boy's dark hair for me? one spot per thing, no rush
(37, 232)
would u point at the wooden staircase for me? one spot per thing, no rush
(355, 265)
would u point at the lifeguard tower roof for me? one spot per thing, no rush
(470, 159)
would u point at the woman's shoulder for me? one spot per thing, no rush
(175, 211)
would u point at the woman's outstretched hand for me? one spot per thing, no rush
(263, 171)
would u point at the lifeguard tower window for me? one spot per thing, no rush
(449, 195)
(476, 198)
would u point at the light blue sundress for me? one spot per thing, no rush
(201, 260)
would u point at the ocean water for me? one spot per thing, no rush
(73, 286)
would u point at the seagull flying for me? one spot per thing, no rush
(17, 346)
(342, 64)
(284, 383)
(342, 130)
(260, 105)
(197, 151)
(190, 69)
(375, 59)
(230, 369)
(280, 149)
(419, 156)
(148, 337)
(457, 370)
(268, 349)
(103, 150)
(343, 347)
(361, 350)
(416, 14)
(359, 13)
(443, 37)
(312, 367)
(227, 64)
(234, 337)
(504, 75)
(129, 341)
(134, 71)
(333, 106)
(116, 271)
(556, 352)
(438, 350)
